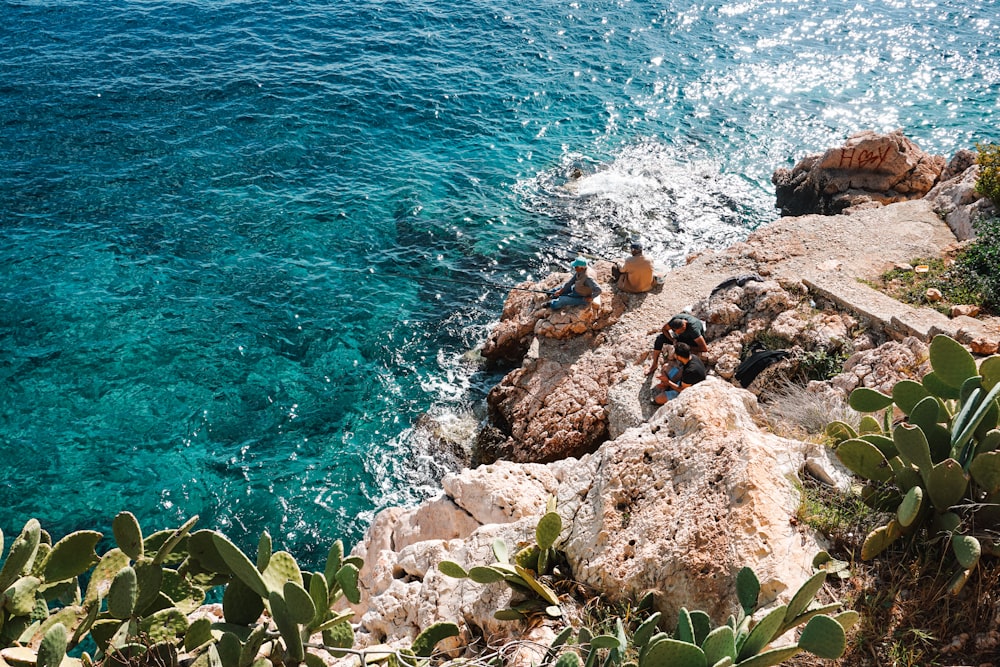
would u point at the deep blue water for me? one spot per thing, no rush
(225, 225)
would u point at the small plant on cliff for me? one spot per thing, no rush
(939, 470)
(738, 642)
(525, 574)
(988, 183)
(956, 282)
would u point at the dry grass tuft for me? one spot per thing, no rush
(795, 411)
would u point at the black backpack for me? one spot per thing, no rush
(759, 359)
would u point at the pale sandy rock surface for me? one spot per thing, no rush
(955, 199)
(676, 506)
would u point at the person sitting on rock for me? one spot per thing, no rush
(678, 378)
(636, 274)
(579, 290)
(682, 328)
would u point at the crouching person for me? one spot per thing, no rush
(678, 378)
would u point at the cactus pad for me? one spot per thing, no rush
(762, 633)
(985, 469)
(452, 569)
(803, 597)
(824, 637)
(288, 628)
(500, 551)
(673, 653)
(123, 594)
(548, 529)
(128, 534)
(568, 659)
(990, 370)
(952, 363)
(864, 399)
(864, 459)
(164, 625)
(840, 431)
(52, 650)
(281, 567)
(909, 509)
(907, 393)
(946, 484)
(967, 550)
(72, 555)
(911, 443)
(720, 643)
(340, 635)
(22, 553)
(347, 577)
(423, 645)
(300, 604)
(240, 605)
(879, 540)
(264, 550)
(334, 561)
(747, 589)
(240, 565)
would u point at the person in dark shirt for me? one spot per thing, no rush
(682, 328)
(677, 379)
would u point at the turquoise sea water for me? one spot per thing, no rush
(225, 226)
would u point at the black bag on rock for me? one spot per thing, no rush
(759, 359)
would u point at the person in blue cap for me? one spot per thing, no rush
(579, 290)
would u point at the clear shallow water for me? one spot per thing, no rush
(218, 218)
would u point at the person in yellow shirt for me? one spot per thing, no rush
(636, 273)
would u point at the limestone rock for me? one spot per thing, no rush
(676, 505)
(554, 405)
(964, 310)
(956, 199)
(869, 167)
(662, 515)
(883, 367)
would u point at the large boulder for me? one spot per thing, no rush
(869, 169)
(554, 404)
(675, 506)
(955, 198)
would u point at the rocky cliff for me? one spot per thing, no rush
(672, 499)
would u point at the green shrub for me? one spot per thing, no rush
(988, 183)
(978, 263)
(823, 363)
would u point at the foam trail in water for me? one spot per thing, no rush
(677, 202)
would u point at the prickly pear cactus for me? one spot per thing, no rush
(940, 460)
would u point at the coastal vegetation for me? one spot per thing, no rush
(142, 602)
(926, 519)
(969, 277)
(988, 181)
